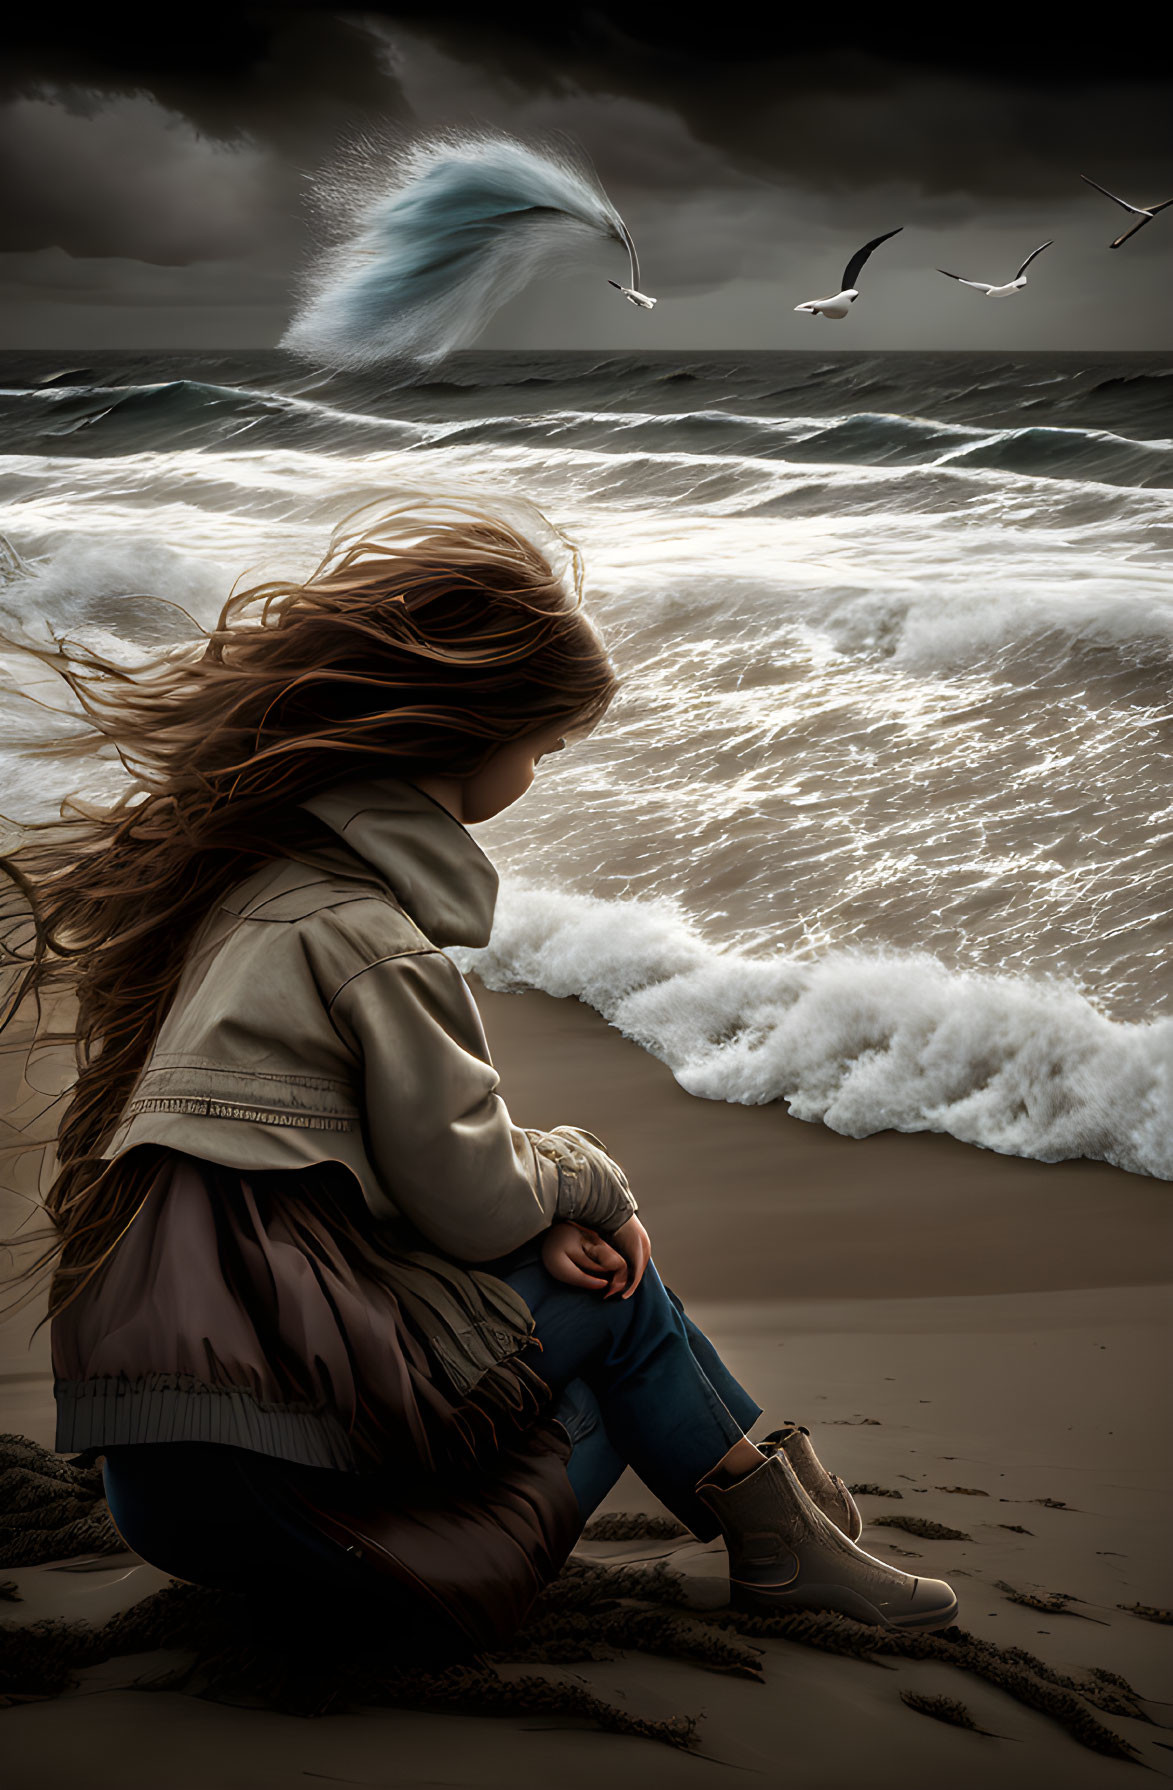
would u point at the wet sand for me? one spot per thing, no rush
(987, 1336)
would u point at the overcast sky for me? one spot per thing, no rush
(157, 176)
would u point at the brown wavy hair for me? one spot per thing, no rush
(431, 633)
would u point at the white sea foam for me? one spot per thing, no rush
(122, 596)
(862, 1042)
(934, 568)
(865, 708)
(1127, 612)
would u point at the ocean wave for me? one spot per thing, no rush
(71, 376)
(862, 438)
(1070, 453)
(58, 415)
(959, 577)
(181, 414)
(993, 626)
(860, 1042)
(1144, 397)
(137, 417)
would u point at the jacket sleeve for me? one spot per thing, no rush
(440, 1137)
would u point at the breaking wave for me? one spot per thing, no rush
(94, 417)
(861, 1042)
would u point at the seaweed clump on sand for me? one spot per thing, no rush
(1050, 1603)
(923, 1527)
(50, 1509)
(633, 1525)
(1150, 1612)
(942, 1709)
(237, 1651)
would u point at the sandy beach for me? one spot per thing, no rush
(985, 1336)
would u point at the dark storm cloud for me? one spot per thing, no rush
(538, 38)
(56, 278)
(824, 104)
(184, 139)
(998, 117)
(129, 180)
(291, 76)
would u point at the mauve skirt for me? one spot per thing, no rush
(274, 1422)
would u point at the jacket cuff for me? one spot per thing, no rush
(592, 1188)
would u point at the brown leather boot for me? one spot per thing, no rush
(784, 1554)
(827, 1489)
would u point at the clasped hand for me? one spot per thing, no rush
(582, 1258)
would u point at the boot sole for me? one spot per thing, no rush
(834, 1600)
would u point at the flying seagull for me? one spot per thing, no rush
(632, 293)
(1145, 214)
(842, 302)
(633, 296)
(1014, 285)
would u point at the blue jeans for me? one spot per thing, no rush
(635, 1383)
(639, 1385)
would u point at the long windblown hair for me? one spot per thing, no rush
(432, 633)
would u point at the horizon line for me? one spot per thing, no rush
(581, 348)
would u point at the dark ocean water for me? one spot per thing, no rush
(1105, 418)
(882, 821)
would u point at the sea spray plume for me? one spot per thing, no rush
(453, 226)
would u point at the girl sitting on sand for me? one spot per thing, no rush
(338, 1326)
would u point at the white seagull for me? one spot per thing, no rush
(841, 303)
(633, 297)
(1145, 214)
(632, 293)
(1011, 286)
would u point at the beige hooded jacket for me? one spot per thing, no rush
(318, 1019)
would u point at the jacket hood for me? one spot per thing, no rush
(438, 872)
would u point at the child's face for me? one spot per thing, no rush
(506, 776)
